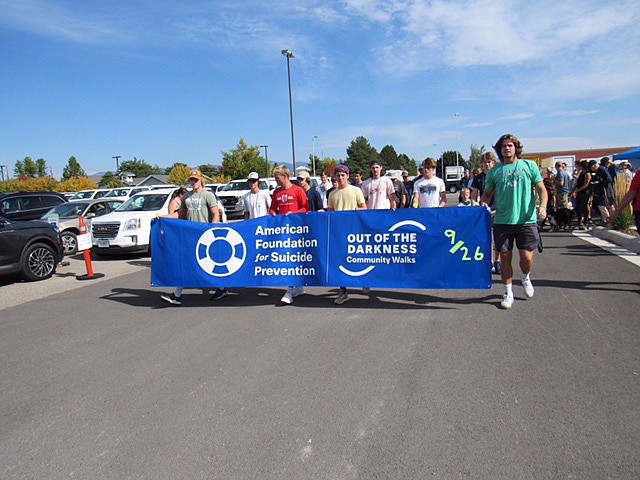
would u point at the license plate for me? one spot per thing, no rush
(103, 243)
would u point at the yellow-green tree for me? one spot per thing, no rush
(179, 175)
(75, 185)
(28, 184)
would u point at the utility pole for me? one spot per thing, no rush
(117, 157)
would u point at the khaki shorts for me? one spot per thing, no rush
(527, 237)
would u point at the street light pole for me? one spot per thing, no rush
(289, 56)
(117, 157)
(457, 160)
(313, 153)
(266, 157)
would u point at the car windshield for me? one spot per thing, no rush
(144, 203)
(238, 185)
(67, 210)
(82, 195)
(119, 192)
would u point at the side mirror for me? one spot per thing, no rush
(90, 215)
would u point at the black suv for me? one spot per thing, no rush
(28, 205)
(32, 249)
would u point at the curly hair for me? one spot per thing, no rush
(507, 136)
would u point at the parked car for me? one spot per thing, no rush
(28, 205)
(89, 194)
(30, 248)
(66, 216)
(215, 187)
(125, 192)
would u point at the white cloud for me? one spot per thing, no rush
(478, 125)
(45, 18)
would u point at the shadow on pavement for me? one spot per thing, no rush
(252, 297)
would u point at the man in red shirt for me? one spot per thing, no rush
(288, 198)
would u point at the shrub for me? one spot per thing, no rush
(625, 218)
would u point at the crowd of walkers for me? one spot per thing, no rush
(515, 191)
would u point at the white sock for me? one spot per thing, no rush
(524, 276)
(509, 288)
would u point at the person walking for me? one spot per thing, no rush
(479, 181)
(287, 199)
(313, 196)
(176, 199)
(429, 191)
(513, 182)
(408, 186)
(257, 202)
(345, 197)
(198, 205)
(378, 191)
(582, 192)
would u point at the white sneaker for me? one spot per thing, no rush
(507, 301)
(171, 299)
(287, 298)
(341, 298)
(528, 287)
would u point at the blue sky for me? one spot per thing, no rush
(181, 81)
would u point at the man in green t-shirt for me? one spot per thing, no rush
(199, 205)
(513, 183)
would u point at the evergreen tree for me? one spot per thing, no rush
(72, 170)
(43, 170)
(360, 154)
(167, 171)
(475, 160)
(26, 168)
(389, 157)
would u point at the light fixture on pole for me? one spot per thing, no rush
(313, 153)
(289, 55)
(266, 156)
(457, 115)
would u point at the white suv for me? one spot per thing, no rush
(232, 195)
(128, 229)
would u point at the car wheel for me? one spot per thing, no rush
(453, 189)
(38, 262)
(69, 243)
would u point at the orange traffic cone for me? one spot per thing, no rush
(87, 256)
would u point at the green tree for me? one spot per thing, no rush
(43, 170)
(242, 160)
(72, 170)
(167, 171)
(109, 180)
(360, 154)
(390, 159)
(139, 168)
(209, 170)
(179, 175)
(26, 168)
(449, 159)
(408, 164)
(475, 159)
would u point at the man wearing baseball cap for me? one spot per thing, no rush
(198, 205)
(316, 203)
(344, 197)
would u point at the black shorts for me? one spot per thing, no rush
(599, 201)
(527, 237)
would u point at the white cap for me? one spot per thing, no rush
(253, 176)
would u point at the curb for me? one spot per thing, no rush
(626, 241)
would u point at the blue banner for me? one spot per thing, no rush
(430, 248)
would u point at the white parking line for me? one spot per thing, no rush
(609, 247)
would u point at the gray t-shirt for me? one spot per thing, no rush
(199, 205)
(563, 176)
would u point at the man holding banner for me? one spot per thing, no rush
(288, 198)
(513, 182)
(198, 205)
(345, 197)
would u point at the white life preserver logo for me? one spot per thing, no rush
(221, 251)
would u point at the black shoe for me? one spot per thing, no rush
(172, 299)
(497, 268)
(218, 294)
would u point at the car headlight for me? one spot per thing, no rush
(132, 224)
(241, 201)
